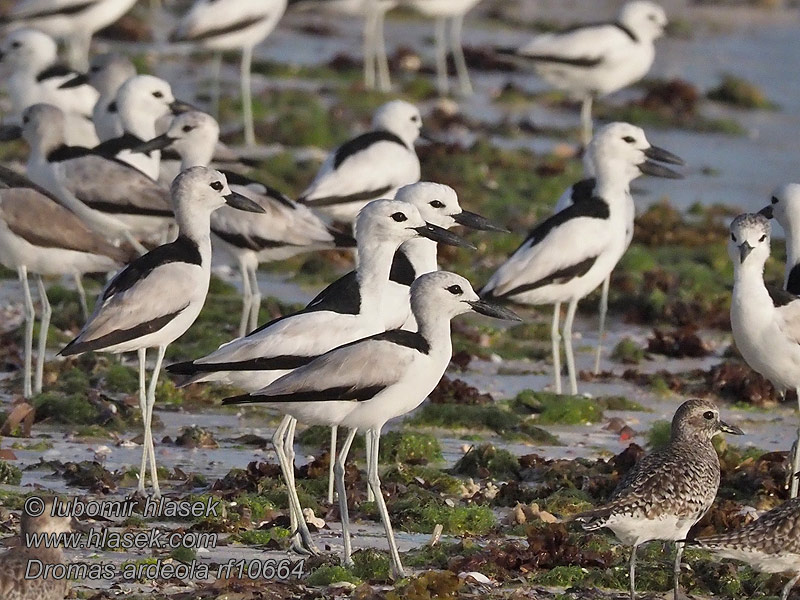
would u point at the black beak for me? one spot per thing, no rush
(157, 143)
(438, 234)
(241, 202)
(179, 106)
(664, 156)
(9, 133)
(427, 136)
(476, 221)
(493, 310)
(744, 250)
(649, 167)
(767, 212)
(732, 429)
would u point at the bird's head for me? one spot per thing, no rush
(438, 204)
(28, 49)
(43, 126)
(193, 132)
(200, 189)
(698, 419)
(646, 19)
(107, 72)
(749, 241)
(401, 118)
(444, 294)
(784, 206)
(622, 150)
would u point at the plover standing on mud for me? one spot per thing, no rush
(14, 563)
(765, 320)
(669, 490)
(770, 544)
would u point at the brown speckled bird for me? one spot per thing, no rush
(14, 562)
(770, 544)
(669, 490)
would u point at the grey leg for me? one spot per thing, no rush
(255, 302)
(247, 298)
(368, 446)
(288, 448)
(602, 330)
(457, 27)
(247, 98)
(76, 277)
(586, 120)
(216, 74)
(342, 491)
(142, 355)
(788, 587)
(30, 315)
(331, 463)
(442, 82)
(796, 460)
(677, 569)
(555, 339)
(573, 380)
(375, 484)
(632, 572)
(44, 325)
(151, 401)
(382, 61)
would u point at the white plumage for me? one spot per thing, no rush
(107, 73)
(785, 209)
(371, 166)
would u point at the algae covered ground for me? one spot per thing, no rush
(482, 479)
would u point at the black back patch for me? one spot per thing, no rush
(583, 190)
(220, 31)
(593, 208)
(402, 270)
(780, 297)
(624, 29)
(65, 152)
(556, 277)
(110, 148)
(341, 394)
(407, 339)
(182, 250)
(57, 70)
(793, 283)
(362, 142)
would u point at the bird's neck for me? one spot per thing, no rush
(139, 123)
(421, 253)
(196, 226)
(749, 288)
(372, 273)
(196, 155)
(435, 328)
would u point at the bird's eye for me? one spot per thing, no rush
(733, 238)
(774, 199)
(187, 128)
(708, 415)
(628, 139)
(217, 186)
(158, 94)
(437, 204)
(94, 69)
(455, 290)
(16, 44)
(415, 119)
(762, 238)
(653, 18)
(399, 217)
(25, 120)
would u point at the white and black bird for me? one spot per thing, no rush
(284, 230)
(221, 25)
(157, 297)
(73, 21)
(785, 209)
(347, 310)
(568, 255)
(765, 320)
(37, 77)
(770, 544)
(110, 196)
(669, 490)
(585, 190)
(597, 59)
(372, 165)
(107, 73)
(41, 237)
(365, 384)
(376, 62)
(452, 13)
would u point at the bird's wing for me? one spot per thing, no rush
(362, 172)
(42, 222)
(787, 307)
(113, 186)
(558, 244)
(775, 532)
(356, 371)
(211, 18)
(585, 46)
(580, 191)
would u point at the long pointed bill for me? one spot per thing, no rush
(179, 106)
(767, 211)
(241, 202)
(744, 251)
(476, 221)
(493, 310)
(426, 135)
(732, 429)
(9, 133)
(649, 167)
(157, 143)
(664, 156)
(438, 234)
